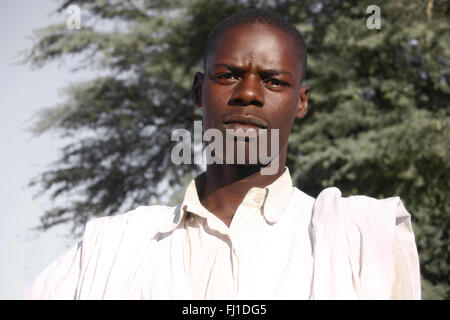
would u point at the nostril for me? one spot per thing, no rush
(256, 103)
(241, 102)
(236, 102)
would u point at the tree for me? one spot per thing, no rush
(378, 123)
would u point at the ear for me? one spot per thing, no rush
(302, 107)
(196, 91)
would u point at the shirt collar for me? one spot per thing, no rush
(278, 194)
(272, 200)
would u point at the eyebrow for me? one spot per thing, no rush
(266, 72)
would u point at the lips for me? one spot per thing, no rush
(245, 121)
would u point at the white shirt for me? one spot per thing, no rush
(221, 260)
(286, 245)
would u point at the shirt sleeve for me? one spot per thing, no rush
(406, 261)
(364, 248)
(59, 280)
(388, 257)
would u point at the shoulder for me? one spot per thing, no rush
(303, 198)
(141, 217)
(360, 209)
(113, 241)
(373, 238)
(144, 221)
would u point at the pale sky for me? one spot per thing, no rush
(25, 253)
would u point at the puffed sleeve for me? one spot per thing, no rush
(59, 280)
(364, 248)
(406, 261)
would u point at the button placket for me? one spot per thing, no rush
(234, 264)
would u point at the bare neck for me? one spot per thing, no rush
(226, 186)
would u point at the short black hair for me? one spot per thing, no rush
(263, 16)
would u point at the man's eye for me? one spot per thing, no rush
(276, 83)
(227, 76)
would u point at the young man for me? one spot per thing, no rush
(241, 234)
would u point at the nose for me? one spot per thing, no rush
(248, 92)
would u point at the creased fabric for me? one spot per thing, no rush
(364, 248)
(330, 247)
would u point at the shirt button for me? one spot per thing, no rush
(258, 198)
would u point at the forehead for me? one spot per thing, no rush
(258, 45)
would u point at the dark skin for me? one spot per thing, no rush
(254, 70)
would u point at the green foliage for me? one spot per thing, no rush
(378, 122)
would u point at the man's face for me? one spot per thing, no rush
(252, 80)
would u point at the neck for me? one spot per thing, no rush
(226, 186)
